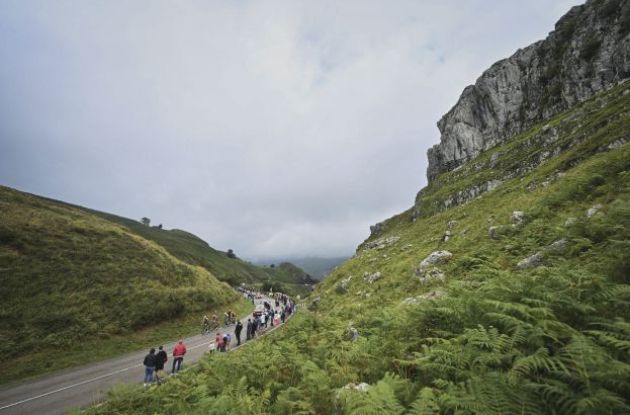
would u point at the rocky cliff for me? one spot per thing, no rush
(589, 51)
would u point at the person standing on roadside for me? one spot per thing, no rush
(237, 332)
(149, 367)
(160, 359)
(178, 356)
(218, 340)
(249, 329)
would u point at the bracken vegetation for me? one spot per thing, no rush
(488, 336)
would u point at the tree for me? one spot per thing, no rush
(231, 254)
(145, 221)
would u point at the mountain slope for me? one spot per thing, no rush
(70, 276)
(480, 331)
(193, 250)
(504, 289)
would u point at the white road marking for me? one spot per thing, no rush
(120, 371)
(67, 387)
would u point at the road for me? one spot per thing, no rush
(78, 387)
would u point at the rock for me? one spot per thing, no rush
(570, 221)
(533, 261)
(492, 232)
(447, 235)
(376, 229)
(434, 274)
(353, 333)
(431, 295)
(518, 217)
(517, 92)
(370, 278)
(593, 210)
(451, 224)
(437, 257)
(470, 193)
(344, 285)
(558, 246)
(381, 242)
(361, 387)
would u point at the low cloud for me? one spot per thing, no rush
(272, 128)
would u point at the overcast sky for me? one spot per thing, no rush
(275, 128)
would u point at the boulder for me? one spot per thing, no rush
(570, 221)
(371, 278)
(593, 210)
(492, 232)
(533, 261)
(437, 257)
(382, 242)
(518, 217)
(361, 387)
(344, 285)
(377, 228)
(435, 274)
(558, 246)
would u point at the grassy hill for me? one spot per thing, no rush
(193, 250)
(288, 277)
(316, 267)
(525, 310)
(72, 279)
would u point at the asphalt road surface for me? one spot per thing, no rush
(62, 391)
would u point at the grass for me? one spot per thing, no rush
(191, 249)
(70, 277)
(93, 350)
(551, 339)
(86, 285)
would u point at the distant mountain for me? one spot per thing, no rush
(316, 267)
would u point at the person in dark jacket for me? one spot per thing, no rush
(160, 359)
(237, 332)
(149, 367)
(249, 328)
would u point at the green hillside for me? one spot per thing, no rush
(193, 250)
(72, 280)
(524, 309)
(288, 277)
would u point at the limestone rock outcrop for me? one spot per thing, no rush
(589, 51)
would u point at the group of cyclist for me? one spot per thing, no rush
(210, 324)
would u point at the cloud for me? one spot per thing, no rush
(272, 128)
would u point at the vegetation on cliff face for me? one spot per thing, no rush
(528, 314)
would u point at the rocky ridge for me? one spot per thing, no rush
(589, 51)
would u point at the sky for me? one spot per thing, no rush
(273, 128)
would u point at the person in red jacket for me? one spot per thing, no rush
(178, 356)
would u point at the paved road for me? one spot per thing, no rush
(78, 387)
